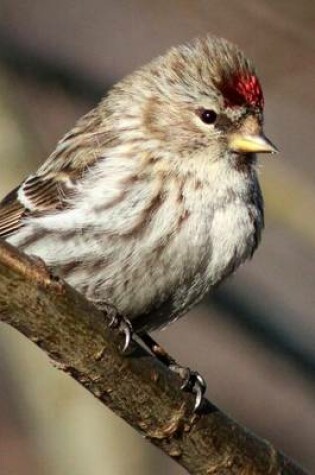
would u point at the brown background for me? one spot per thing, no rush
(254, 339)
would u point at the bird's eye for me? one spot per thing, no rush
(208, 116)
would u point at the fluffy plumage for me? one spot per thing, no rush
(143, 205)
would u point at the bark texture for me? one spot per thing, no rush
(136, 387)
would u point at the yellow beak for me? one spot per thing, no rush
(251, 143)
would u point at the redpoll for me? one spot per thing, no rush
(153, 197)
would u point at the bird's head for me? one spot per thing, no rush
(201, 97)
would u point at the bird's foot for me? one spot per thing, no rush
(116, 321)
(124, 326)
(192, 382)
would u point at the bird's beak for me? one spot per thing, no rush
(249, 138)
(251, 143)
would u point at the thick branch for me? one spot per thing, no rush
(137, 387)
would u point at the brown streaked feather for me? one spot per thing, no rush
(36, 195)
(50, 188)
(11, 212)
(80, 148)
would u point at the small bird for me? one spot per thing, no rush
(152, 199)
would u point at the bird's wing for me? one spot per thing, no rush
(56, 180)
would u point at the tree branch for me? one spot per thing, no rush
(136, 387)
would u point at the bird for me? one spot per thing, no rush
(152, 199)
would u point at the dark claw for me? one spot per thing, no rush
(124, 326)
(116, 321)
(192, 382)
(200, 389)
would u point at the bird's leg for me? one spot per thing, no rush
(192, 380)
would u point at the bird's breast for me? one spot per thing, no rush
(194, 240)
(155, 249)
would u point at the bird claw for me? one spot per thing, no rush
(124, 326)
(116, 321)
(192, 382)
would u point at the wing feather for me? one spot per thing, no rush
(11, 212)
(50, 188)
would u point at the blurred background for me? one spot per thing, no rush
(253, 340)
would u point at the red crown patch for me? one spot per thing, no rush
(242, 90)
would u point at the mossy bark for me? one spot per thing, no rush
(136, 387)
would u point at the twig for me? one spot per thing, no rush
(137, 387)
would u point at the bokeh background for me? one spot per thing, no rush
(253, 339)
